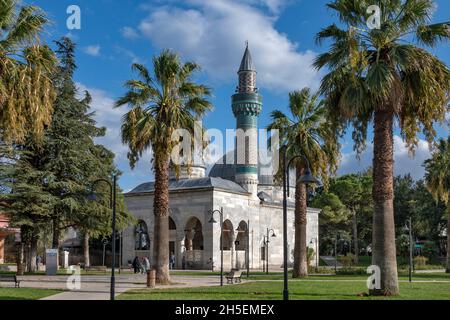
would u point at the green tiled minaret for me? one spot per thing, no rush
(247, 105)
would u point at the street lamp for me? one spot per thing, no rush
(409, 228)
(266, 242)
(105, 242)
(306, 178)
(112, 198)
(317, 252)
(220, 212)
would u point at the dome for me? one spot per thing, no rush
(227, 171)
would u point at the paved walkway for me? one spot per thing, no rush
(98, 287)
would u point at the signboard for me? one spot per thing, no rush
(51, 262)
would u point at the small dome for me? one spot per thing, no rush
(227, 171)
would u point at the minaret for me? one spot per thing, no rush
(247, 105)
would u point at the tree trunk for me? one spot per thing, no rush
(20, 255)
(447, 270)
(161, 212)
(87, 262)
(300, 246)
(383, 234)
(56, 237)
(355, 237)
(32, 254)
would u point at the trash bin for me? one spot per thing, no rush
(151, 278)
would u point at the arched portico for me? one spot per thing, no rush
(242, 245)
(193, 243)
(228, 243)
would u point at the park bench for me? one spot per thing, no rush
(10, 278)
(96, 268)
(234, 275)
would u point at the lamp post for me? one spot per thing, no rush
(248, 247)
(306, 178)
(112, 189)
(335, 253)
(220, 212)
(409, 228)
(266, 242)
(105, 242)
(317, 252)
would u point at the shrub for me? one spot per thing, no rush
(351, 271)
(420, 261)
(348, 261)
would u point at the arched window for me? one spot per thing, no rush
(142, 240)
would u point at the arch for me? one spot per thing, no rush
(242, 236)
(172, 224)
(141, 237)
(228, 235)
(193, 234)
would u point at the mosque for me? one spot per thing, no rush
(250, 199)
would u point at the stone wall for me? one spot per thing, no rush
(238, 209)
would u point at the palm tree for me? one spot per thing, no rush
(437, 178)
(306, 133)
(379, 75)
(162, 103)
(26, 93)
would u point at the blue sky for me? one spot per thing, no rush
(281, 33)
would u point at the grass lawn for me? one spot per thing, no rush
(25, 293)
(312, 288)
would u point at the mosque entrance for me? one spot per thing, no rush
(194, 244)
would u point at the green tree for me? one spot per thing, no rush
(161, 103)
(437, 179)
(74, 160)
(350, 190)
(380, 75)
(25, 200)
(307, 134)
(333, 218)
(26, 91)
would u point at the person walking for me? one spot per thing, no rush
(172, 261)
(146, 264)
(136, 265)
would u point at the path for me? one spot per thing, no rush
(98, 287)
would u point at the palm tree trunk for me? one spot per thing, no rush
(355, 237)
(161, 212)
(300, 249)
(87, 262)
(447, 270)
(383, 234)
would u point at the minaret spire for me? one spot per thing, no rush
(247, 105)
(247, 73)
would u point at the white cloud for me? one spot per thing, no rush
(111, 118)
(129, 33)
(128, 54)
(93, 50)
(404, 163)
(213, 34)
